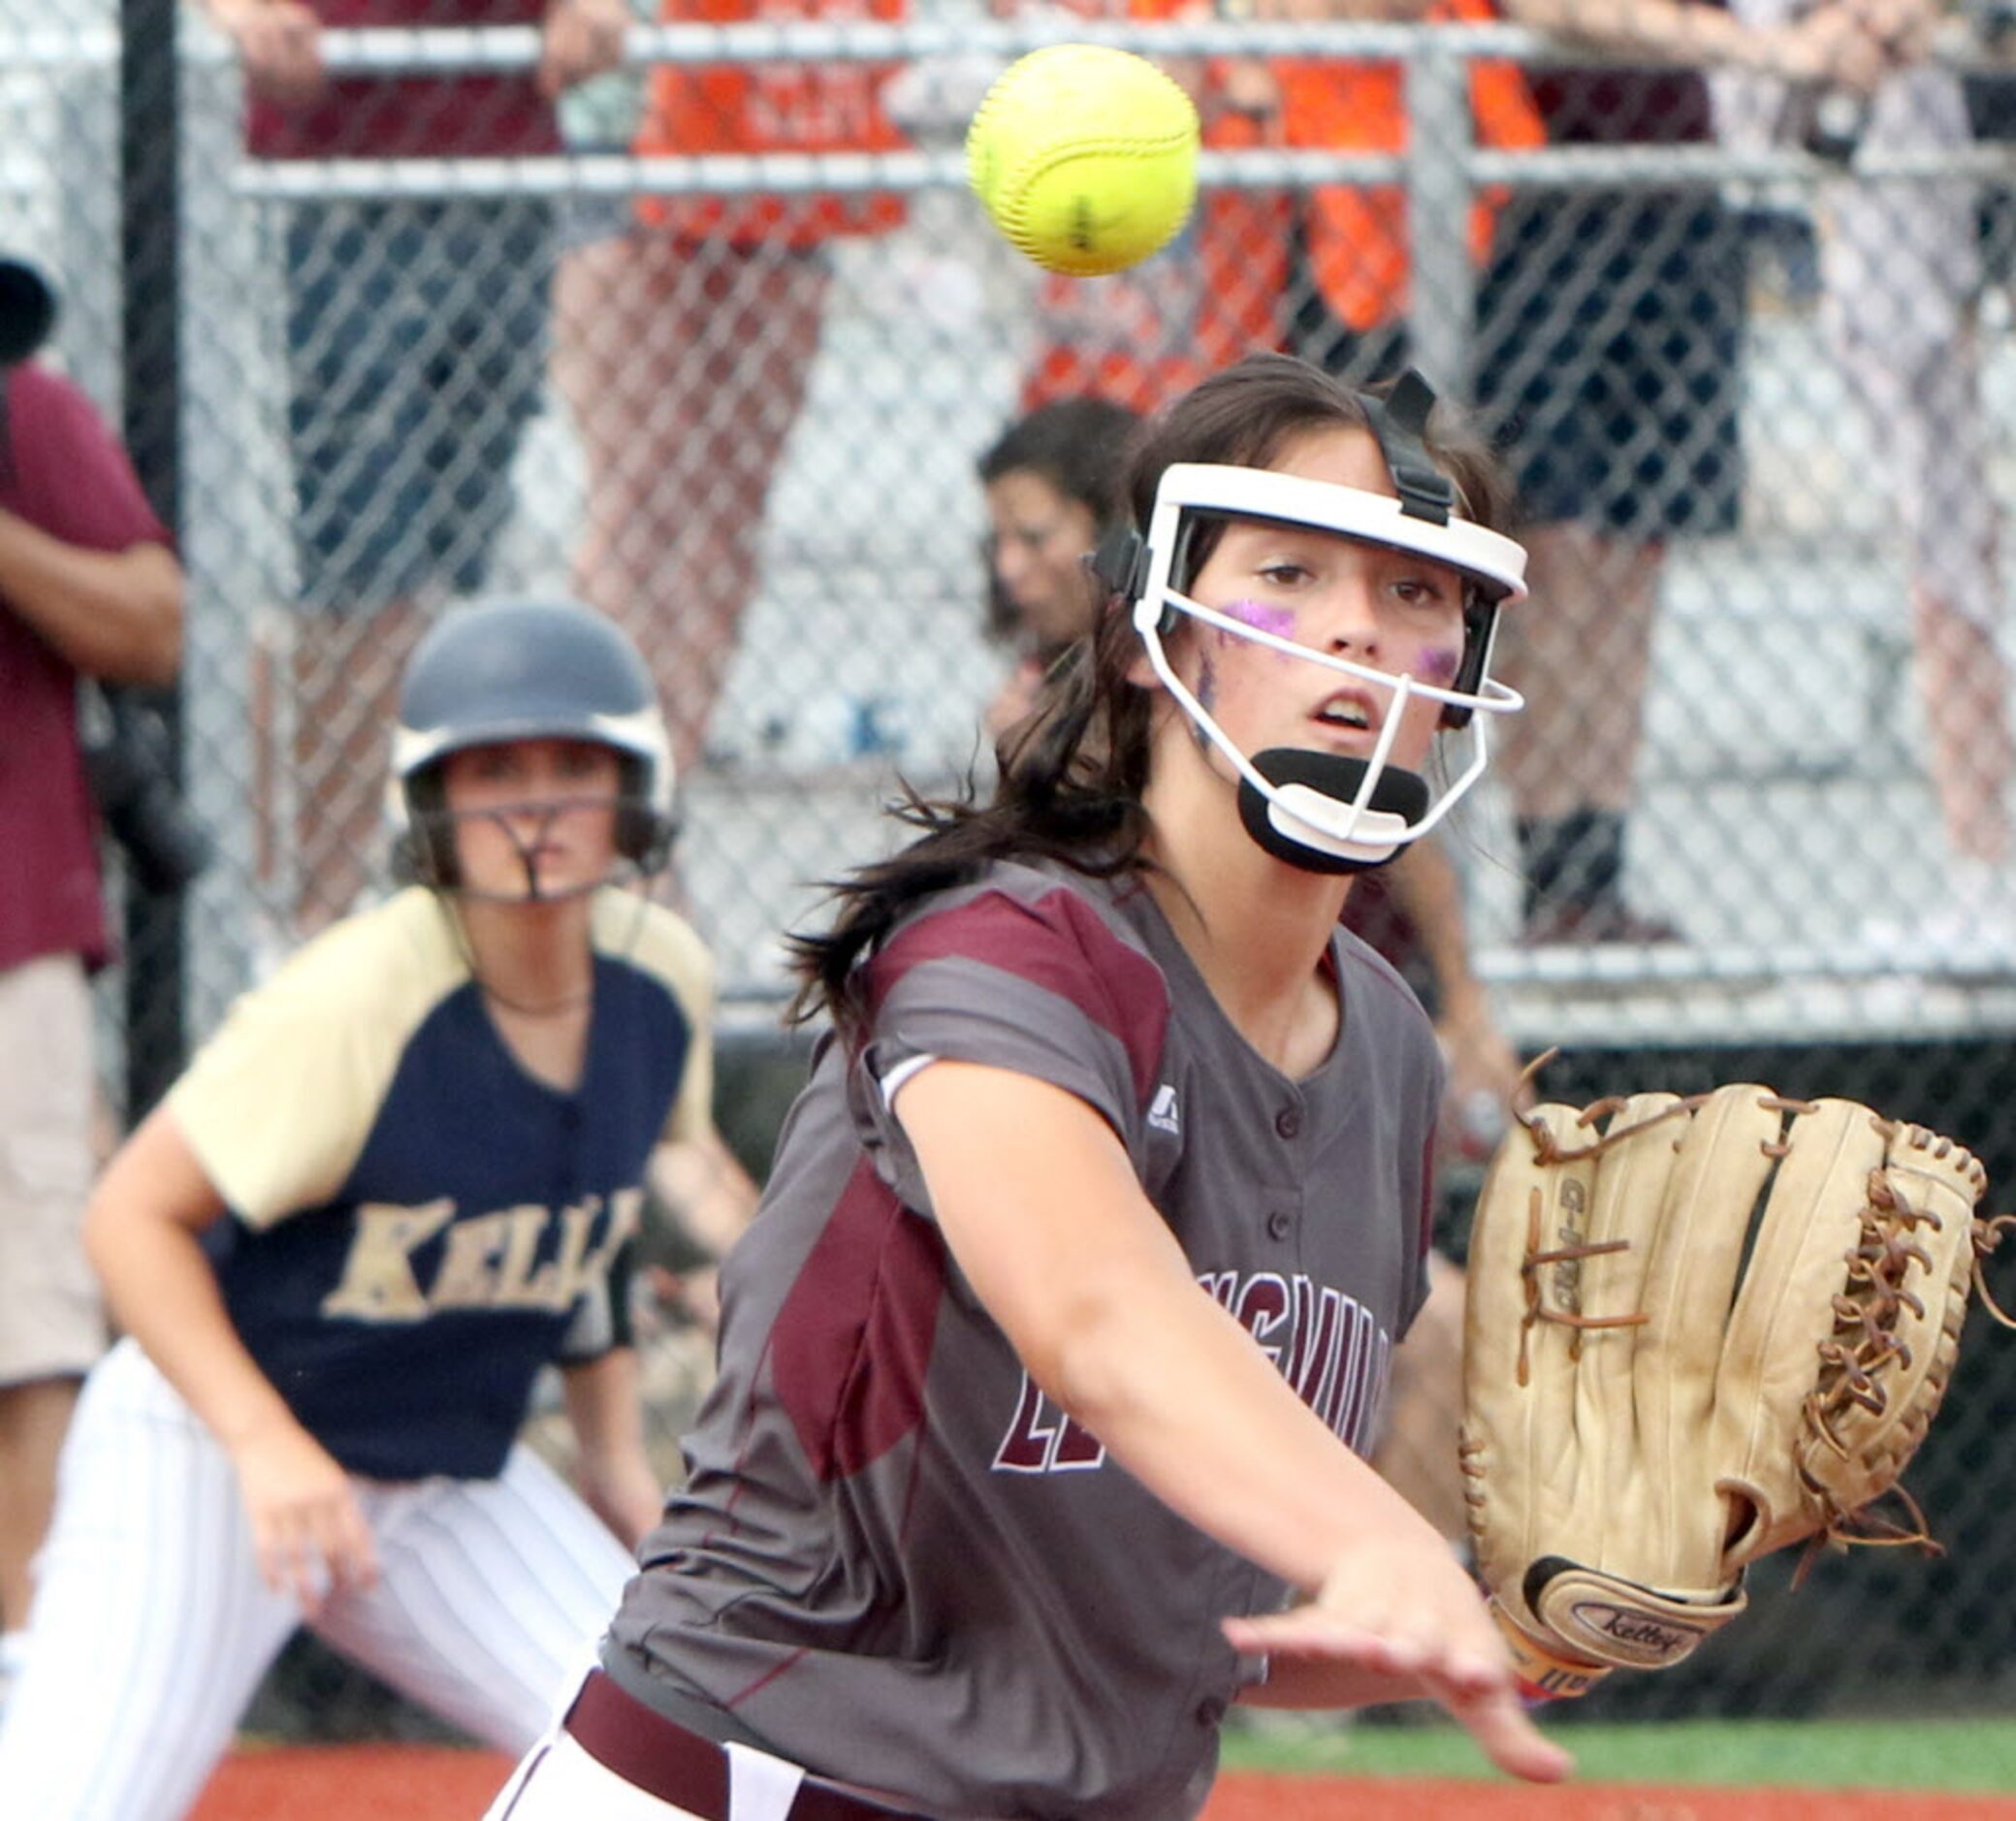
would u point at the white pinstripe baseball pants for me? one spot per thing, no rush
(151, 1627)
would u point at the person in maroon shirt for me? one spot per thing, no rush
(88, 587)
(416, 332)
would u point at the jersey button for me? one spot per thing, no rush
(1279, 1225)
(1288, 1122)
(1210, 1711)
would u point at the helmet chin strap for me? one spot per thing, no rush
(1315, 799)
(527, 854)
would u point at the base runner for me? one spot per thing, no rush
(394, 1186)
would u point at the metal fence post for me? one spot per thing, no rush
(240, 499)
(151, 241)
(1439, 142)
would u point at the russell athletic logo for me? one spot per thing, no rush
(1326, 1345)
(1161, 1112)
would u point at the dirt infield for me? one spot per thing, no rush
(430, 1783)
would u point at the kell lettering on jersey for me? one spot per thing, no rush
(1326, 1344)
(531, 1256)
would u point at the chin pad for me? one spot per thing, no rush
(1329, 780)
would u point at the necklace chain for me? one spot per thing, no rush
(553, 1011)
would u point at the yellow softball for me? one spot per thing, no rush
(1085, 158)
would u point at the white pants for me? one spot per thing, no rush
(1903, 273)
(560, 1782)
(151, 1627)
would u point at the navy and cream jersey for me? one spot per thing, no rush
(419, 1225)
(895, 1559)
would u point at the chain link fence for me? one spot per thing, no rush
(716, 344)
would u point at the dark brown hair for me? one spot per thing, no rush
(1071, 776)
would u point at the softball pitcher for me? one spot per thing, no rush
(393, 1186)
(1047, 1362)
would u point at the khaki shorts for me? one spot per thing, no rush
(52, 1323)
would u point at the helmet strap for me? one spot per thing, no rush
(1401, 421)
(435, 841)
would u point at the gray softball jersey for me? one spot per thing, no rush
(894, 1560)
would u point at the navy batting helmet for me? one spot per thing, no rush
(526, 670)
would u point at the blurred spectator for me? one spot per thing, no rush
(416, 332)
(89, 588)
(1610, 328)
(1052, 485)
(686, 339)
(1905, 272)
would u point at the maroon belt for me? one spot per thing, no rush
(681, 1767)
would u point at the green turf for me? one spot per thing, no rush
(1897, 1753)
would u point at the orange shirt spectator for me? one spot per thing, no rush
(1357, 237)
(703, 108)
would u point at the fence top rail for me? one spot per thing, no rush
(386, 48)
(394, 50)
(873, 41)
(363, 50)
(908, 172)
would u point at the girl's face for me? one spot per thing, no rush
(533, 818)
(1382, 608)
(1040, 538)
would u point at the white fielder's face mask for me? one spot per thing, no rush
(1327, 811)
